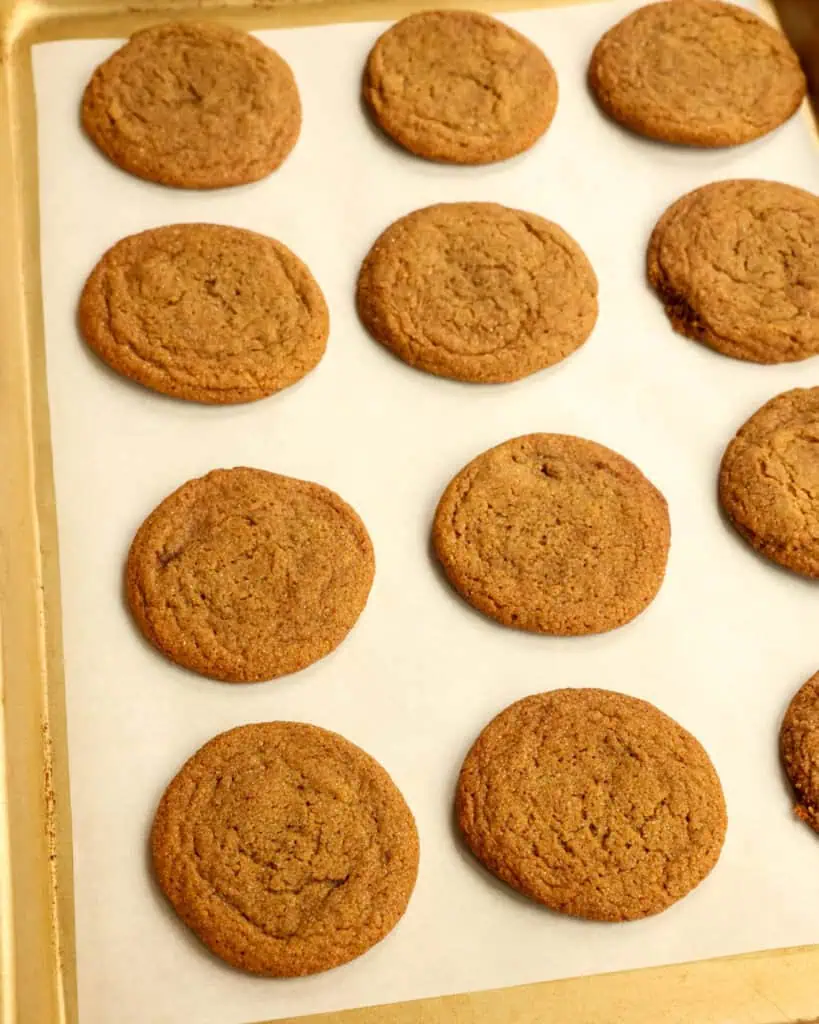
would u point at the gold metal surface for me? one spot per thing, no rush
(37, 952)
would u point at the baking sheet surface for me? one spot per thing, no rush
(721, 649)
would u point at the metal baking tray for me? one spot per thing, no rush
(37, 949)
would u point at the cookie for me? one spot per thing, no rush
(696, 72)
(477, 292)
(205, 312)
(459, 87)
(736, 264)
(769, 480)
(244, 575)
(553, 534)
(799, 745)
(193, 106)
(285, 848)
(593, 803)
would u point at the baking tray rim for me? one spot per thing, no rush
(38, 981)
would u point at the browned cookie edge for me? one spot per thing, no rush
(683, 318)
(802, 773)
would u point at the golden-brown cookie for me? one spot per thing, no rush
(736, 264)
(244, 575)
(194, 106)
(205, 312)
(285, 848)
(769, 480)
(460, 87)
(799, 746)
(477, 292)
(697, 72)
(593, 803)
(553, 534)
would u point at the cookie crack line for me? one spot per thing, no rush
(798, 741)
(276, 934)
(805, 499)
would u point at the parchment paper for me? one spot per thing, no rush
(723, 647)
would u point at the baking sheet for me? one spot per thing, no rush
(721, 649)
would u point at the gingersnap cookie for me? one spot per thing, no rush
(244, 575)
(593, 803)
(769, 480)
(553, 534)
(477, 292)
(286, 848)
(460, 87)
(696, 72)
(736, 264)
(194, 106)
(799, 746)
(205, 312)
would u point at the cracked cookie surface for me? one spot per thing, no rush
(696, 72)
(593, 803)
(287, 849)
(244, 575)
(736, 264)
(477, 292)
(205, 312)
(799, 746)
(460, 87)
(193, 106)
(553, 534)
(769, 480)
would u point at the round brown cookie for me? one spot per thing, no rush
(769, 480)
(553, 534)
(205, 312)
(459, 86)
(697, 72)
(477, 292)
(593, 803)
(799, 745)
(244, 575)
(194, 106)
(287, 849)
(736, 264)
